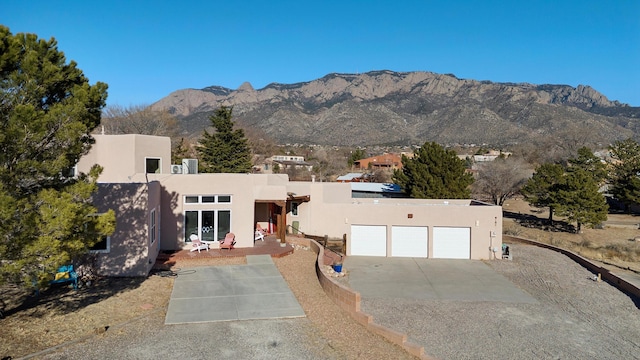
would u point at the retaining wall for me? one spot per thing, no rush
(605, 274)
(349, 301)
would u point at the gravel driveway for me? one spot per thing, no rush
(576, 317)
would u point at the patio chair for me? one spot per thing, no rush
(260, 229)
(258, 236)
(228, 242)
(198, 245)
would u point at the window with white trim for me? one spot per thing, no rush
(207, 199)
(208, 225)
(153, 165)
(102, 246)
(294, 208)
(152, 227)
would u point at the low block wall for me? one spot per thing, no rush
(349, 301)
(605, 274)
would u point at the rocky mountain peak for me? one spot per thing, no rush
(246, 86)
(387, 107)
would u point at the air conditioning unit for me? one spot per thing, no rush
(189, 166)
(176, 169)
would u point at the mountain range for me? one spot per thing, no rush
(404, 108)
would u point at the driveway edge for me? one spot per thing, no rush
(349, 301)
(613, 279)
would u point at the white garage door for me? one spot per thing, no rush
(451, 243)
(368, 240)
(409, 241)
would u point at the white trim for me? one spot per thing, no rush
(199, 226)
(153, 158)
(216, 199)
(153, 227)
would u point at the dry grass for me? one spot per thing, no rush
(61, 314)
(614, 244)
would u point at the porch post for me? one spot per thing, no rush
(282, 223)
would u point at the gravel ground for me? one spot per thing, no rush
(326, 333)
(576, 317)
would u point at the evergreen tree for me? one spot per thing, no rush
(541, 189)
(180, 150)
(624, 180)
(47, 112)
(356, 155)
(590, 163)
(434, 173)
(226, 150)
(579, 199)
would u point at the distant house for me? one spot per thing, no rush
(353, 177)
(491, 155)
(384, 161)
(284, 162)
(158, 208)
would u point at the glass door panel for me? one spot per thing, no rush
(190, 224)
(224, 223)
(208, 225)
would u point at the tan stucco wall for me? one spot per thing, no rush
(331, 211)
(154, 194)
(242, 188)
(123, 156)
(129, 246)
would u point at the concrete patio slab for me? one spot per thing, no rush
(237, 292)
(431, 279)
(259, 259)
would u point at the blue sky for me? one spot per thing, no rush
(145, 50)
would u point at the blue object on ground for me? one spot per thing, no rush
(71, 276)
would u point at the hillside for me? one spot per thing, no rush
(402, 108)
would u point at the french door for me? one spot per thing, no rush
(209, 225)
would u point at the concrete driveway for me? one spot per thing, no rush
(430, 279)
(237, 292)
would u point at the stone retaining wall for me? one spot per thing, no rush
(349, 301)
(605, 274)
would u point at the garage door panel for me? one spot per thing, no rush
(409, 241)
(368, 240)
(451, 243)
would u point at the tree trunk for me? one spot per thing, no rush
(550, 215)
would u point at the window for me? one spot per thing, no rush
(71, 172)
(209, 225)
(191, 199)
(207, 199)
(102, 246)
(152, 165)
(152, 227)
(294, 208)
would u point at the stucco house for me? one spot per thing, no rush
(157, 210)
